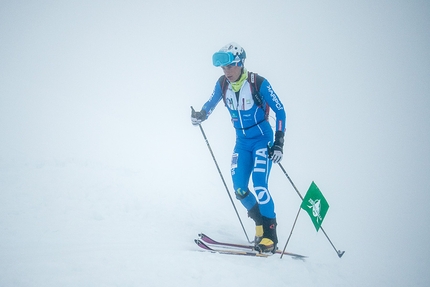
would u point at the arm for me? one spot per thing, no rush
(213, 101)
(208, 107)
(270, 97)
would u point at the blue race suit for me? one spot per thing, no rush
(253, 134)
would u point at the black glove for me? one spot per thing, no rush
(197, 117)
(276, 150)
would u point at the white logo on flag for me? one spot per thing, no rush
(316, 208)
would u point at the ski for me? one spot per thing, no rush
(202, 245)
(203, 237)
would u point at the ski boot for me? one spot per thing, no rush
(258, 234)
(270, 239)
(255, 214)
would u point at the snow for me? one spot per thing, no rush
(82, 224)
(104, 182)
(71, 223)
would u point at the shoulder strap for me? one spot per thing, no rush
(255, 82)
(252, 79)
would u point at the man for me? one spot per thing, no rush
(248, 98)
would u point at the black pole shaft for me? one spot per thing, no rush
(222, 178)
(339, 253)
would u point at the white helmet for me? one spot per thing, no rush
(231, 53)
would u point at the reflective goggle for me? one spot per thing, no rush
(220, 59)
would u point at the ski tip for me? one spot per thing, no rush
(202, 244)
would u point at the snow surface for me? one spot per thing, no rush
(67, 223)
(71, 223)
(104, 182)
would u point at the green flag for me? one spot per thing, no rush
(315, 205)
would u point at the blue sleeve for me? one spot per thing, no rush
(213, 101)
(272, 99)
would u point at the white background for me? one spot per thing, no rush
(104, 181)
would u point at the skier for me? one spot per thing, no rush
(254, 149)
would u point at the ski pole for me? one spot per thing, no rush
(222, 178)
(339, 253)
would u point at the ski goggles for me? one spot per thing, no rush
(221, 59)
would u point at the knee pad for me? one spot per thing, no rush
(241, 194)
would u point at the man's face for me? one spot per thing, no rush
(232, 72)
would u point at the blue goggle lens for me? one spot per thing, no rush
(220, 59)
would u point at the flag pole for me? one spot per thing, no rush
(291, 233)
(339, 253)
